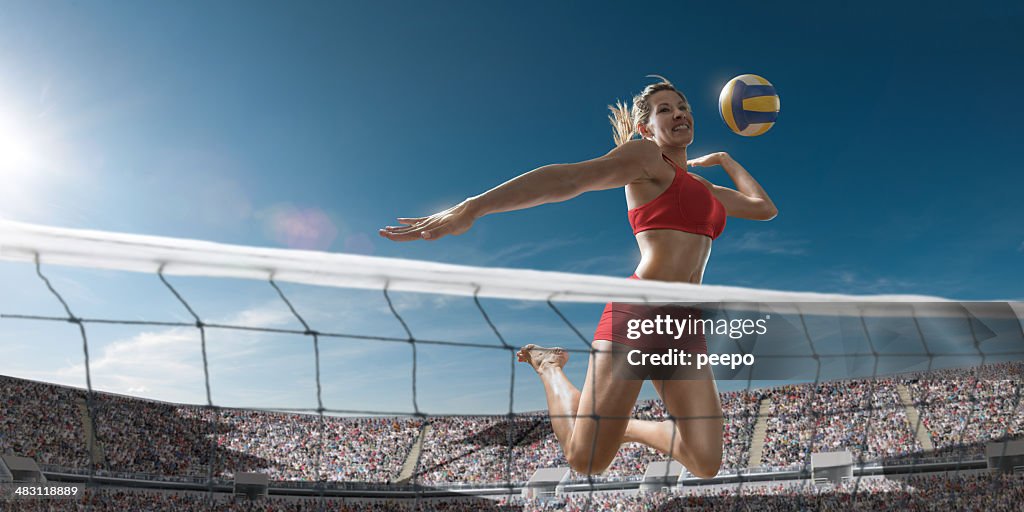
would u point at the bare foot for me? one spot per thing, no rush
(541, 357)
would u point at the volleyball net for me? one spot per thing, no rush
(777, 352)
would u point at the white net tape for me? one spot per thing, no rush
(139, 253)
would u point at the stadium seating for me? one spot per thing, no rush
(961, 410)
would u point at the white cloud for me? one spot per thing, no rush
(167, 363)
(616, 264)
(519, 252)
(263, 316)
(404, 302)
(847, 277)
(160, 360)
(853, 282)
(766, 242)
(497, 255)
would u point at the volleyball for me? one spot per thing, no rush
(749, 105)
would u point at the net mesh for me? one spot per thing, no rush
(800, 419)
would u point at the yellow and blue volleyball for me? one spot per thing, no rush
(749, 105)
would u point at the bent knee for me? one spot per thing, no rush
(706, 463)
(586, 464)
(706, 469)
(702, 461)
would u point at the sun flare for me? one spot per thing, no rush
(25, 158)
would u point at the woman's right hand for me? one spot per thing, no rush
(453, 221)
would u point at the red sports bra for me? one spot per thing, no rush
(686, 205)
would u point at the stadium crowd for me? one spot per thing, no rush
(484, 449)
(150, 437)
(139, 436)
(353, 449)
(960, 409)
(42, 421)
(970, 405)
(863, 416)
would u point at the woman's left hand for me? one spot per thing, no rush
(708, 160)
(453, 221)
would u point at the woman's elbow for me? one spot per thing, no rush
(767, 212)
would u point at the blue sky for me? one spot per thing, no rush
(894, 163)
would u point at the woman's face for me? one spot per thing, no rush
(671, 122)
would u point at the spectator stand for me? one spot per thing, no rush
(5, 474)
(831, 466)
(1007, 456)
(661, 476)
(23, 469)
(251, 485)
(546, 483)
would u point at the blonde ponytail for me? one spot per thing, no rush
(625, 120)
(622, 122)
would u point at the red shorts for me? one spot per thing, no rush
(690, 343)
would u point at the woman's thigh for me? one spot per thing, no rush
(606, 404)
(697, 410)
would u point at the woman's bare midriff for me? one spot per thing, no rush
(670, 255)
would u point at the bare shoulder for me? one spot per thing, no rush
(642, 151)
(702, 180)
(640, 154)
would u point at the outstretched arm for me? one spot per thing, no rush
(749, 200)
(548, 184)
